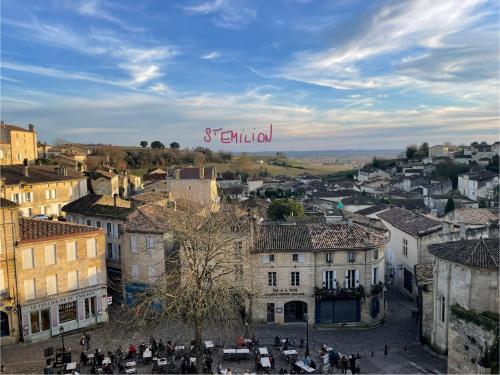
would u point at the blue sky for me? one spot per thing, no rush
(327, 74)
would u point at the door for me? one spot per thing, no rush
(295, 311)
(4, 324)
(270, 312)
(408, 278)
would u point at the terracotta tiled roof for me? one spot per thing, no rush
(14, 174)
(151, 218)
(146, 198)
(194, 173)
(314, 237)
(474, 216)
(424, 273)
(33, 229)
(5, 203)
(106, 174)
(16, 128)
(482, 253)
(415, 224)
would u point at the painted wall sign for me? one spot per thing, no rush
(229, 136)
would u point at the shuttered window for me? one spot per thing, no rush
(29, 289)
(133, 244)
(50, 255)
(91, 248)
(72, 280)
(51, 285)
(27, 258)
(71, 251)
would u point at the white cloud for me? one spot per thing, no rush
(228, 14)
(211, 56)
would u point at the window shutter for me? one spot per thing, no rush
(51, 285)
(91, 248)
(133, 244)
(324, 279)
(265, 258)
(373, 276)
(357, 277)
(302, 258)
(71, 251)
(27, 258)
(72, 280)
(334, 279)
(346, 279)
(50, 255)
(29, 289)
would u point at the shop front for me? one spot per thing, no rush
(80, 309)
(284, 306)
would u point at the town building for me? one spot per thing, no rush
(370, 173)
(465, 273)
(478, 184)
(195, 184)
(41, 189)
(411, 233)
(55, 279)
(147, 244)
(438, 151)
(17, 144)
(332, 272)
(469, 223)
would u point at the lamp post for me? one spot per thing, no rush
(306, 317)
(61, 329)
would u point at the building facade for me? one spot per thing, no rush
(17, 144)
(331, 272)
(195, 184)
(476, 185)
(410, 235)
(41, 190)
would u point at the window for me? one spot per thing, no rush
(27, 258)
(133, 244)
(15, 198)
(328, 280)
(29, 197)
(295, 257)
(119, 230)
(295, 278)
(29, 289)
(109, 229)
(45, 319)
(92, 276)
(271, 279)
(238, 246)
(52, 193)
(329, 257)
(51, 285)
(443, 309)
(35, 322)
(91, 248)
(375, 275)
(50, 255)
(351, 279)
(42, 210)
(149, 243)
(72, 280)
(271, 257)
(90, 307)
(71, 251)
(98, 224)
(109, 250)
(405, 246)
(351, 256)
(135, 271)
(375, 254)
(89, 222)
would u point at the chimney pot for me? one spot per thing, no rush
(31, 127)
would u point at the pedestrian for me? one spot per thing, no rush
(312, 364)
(82, 342)
(87, 340)
(277, 341)
(220, 370)
(271, 360)
(352, 363)
(161, 346)
(345, 364)
(228, 372)
(209, 364)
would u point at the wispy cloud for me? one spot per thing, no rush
(228, 14)
(211, 56)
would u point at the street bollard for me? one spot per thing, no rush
(372, 354)
(405, 348)
(385, 350)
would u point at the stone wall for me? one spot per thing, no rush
(467, 341)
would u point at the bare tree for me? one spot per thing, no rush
(207, 278)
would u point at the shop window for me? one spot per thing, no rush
(90, 307)
(35, 322)
(45, 319)
(67, 312)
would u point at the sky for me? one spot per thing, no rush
(342, 74)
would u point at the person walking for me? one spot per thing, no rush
(352, 364)
(344, 364)
(82, 342)
(87, 340)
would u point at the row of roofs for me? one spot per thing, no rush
(312, 237)
(18, 174)
(413, 223)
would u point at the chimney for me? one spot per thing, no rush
(31, 128)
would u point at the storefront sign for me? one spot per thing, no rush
(284, 292)
(71, 298)
(67, 312)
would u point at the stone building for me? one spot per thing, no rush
(465, 274)
(410, 235)
(104, 183)
(333, 272)
(195, 184)
(56, 278)
(469, 223)
(146, 246)
(369, 173)
(478, 184)
(40, 189)
(17, 144)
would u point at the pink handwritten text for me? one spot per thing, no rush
(238, 136)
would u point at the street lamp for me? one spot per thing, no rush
(61, 329)
(306, 317)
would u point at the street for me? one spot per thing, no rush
(405, 355)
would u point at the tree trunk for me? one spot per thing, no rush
(198, 344)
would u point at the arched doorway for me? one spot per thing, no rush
(4, 324)
(294, 311)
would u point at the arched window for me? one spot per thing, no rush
(443, 309)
